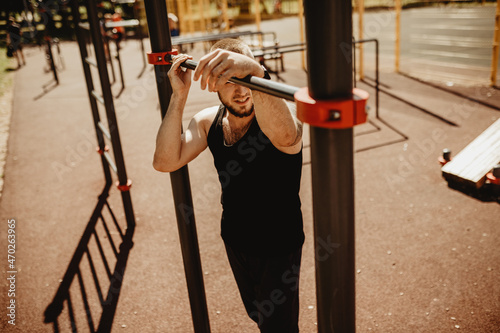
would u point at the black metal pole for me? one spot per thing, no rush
(140, 35)
(51, 56)
(159, 33)
(110, 109)
(354, 62)
(377, 88)
(108, 54)
(122, 79)
(80, 37)
(329, 58)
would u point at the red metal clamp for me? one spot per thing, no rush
(100, 151)
(125, 187)
(337, 113)
(161, 58)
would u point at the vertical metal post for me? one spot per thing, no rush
(122, 79)
(301, 25)
(108, 55)
(51, 56)
(225, 16)
(496, 42)
(377, 82)
(100, 55)
(354, 43)
(398, 34)
(181, 16)
(329, 60)
(361, 12)
(189, 9)
(201, 10)
(256, 3)
(156, 12)
(207, 7)
(140, 35)
(80, 37)
(29, 20)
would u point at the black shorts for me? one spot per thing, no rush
(269, 288)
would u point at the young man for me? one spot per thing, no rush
(256, 142)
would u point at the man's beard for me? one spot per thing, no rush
(239, 114)
(236, 113)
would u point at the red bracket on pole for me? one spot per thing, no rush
(100, 151)
(337, 113)
(162, 58)
(125, 187)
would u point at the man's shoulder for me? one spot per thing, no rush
(206, 117)
(208, 112)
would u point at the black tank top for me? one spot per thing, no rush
(260, 192)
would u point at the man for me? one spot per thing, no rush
(256, 142)
(14, 41)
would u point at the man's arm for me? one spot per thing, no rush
(276, 119)
(175, 149)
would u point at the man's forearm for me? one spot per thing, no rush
(275, 119)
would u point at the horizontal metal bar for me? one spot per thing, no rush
(446, 64)
(104, 130)
(91, 62)
(444, 40)
(110, 162)
(98, 97)
(450, 54)
(428, 15)
(123, 23)
(280, 47)
(415, 27)
(277, 53)
(256, 83)
(361, 41)
(298, 49)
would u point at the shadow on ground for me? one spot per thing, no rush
(486, 193)
(99, 298)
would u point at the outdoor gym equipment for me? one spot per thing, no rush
(329, 98)
(330, 83)
(110, 162)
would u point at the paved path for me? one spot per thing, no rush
(425, 254)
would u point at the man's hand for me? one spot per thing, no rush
(217, 67)
(180, 80)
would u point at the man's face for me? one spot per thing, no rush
(237, 99)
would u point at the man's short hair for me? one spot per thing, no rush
(233, 45)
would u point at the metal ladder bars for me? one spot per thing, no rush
(106, 99)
